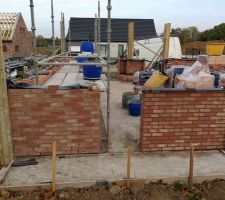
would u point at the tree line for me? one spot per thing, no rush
(192, 34)
(46, 42)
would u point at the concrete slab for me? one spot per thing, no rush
(124, 129)
(89, 168)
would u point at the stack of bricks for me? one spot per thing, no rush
(127, 68)
(187, 62)
(70, 117)
(217, 63)
(172, 120)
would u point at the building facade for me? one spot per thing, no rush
(17, 40)
(83, 29)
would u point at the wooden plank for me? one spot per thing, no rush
(56, 79)
(4, 171)
(6, 146)
(166, 40)
(54, 167)
(71, 78)
(130, 40)
(128, 166)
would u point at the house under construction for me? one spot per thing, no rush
(16, 37)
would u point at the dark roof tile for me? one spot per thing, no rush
(83, 29)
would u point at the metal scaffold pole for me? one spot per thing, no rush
(53, 27)
(99, 27)
(62, 25)
(33, 29)
(96, 33)
(109, 31)
(6, 146)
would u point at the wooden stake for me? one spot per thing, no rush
(191, 166)
(54, 168)
(6, 146)
(128, 166)
(130, 40)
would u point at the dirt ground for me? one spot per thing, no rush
(214, 190)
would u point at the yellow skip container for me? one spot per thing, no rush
(156, 80)
(215, 49)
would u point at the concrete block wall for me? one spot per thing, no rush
(69, 117)
(171, 121)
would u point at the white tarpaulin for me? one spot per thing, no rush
(197, 76)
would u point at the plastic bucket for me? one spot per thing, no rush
(134, 108)
(87, 47)
(127, 97)
(92, 72)
(215, 49)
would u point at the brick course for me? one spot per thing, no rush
(171, 121)
(69, 117)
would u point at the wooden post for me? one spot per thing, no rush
(191, 166)
(166, 40)
(128, 166)
(6, 147)
(130, 40)
(54, 168)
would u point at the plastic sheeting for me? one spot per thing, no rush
(197, 76)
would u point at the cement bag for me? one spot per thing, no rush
(200, 81)
(156, 80)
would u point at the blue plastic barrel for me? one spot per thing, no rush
(134, 108)
(92, 72)
(81, 59)
(87, 47)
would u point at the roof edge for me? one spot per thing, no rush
(14, 26)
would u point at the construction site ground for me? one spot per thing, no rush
(85, 170)
(214, 190)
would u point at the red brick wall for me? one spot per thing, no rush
(69, 117)
(171, 121)
(180, 62)
(22, 39)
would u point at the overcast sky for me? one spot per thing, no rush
(181, 13)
